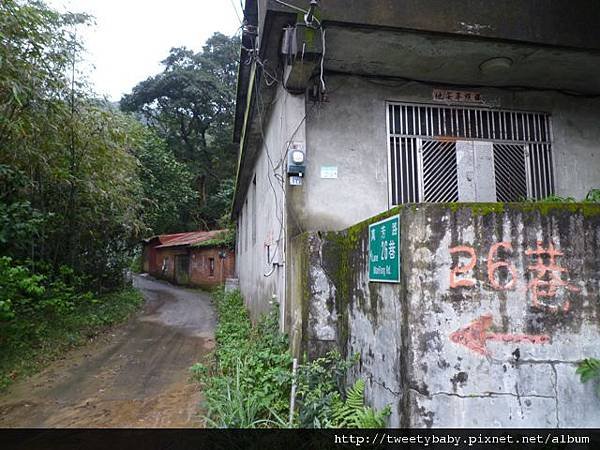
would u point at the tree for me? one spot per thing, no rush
(166, 184)
(71, 191)
(190, 104)
(38, 48)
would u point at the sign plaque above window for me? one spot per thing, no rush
(450, 96)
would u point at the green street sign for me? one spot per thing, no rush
(384, 250)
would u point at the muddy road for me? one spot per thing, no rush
(134, 376)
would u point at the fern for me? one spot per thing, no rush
(369, 418)
(589, 369)
(593, 196)
(353, 413)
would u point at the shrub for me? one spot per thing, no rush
(593, 196)
(352, 413)
(589, 369)
(45, 312)
(248, 380)
(247, 384)
(323, 401)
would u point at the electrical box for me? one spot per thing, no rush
(296, 159)
(302, 51)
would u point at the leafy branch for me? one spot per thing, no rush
(589, 369)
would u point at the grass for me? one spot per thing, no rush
(28, 348)
(247, 383)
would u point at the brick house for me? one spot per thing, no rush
(198, 258)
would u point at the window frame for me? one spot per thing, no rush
(544, 127)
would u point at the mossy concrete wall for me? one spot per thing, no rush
(496, 306)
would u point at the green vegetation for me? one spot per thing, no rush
(190, 105)
(589, 369)
(49, 316)
(248, 381)
(324, 402)
(82, 182)
(166, 183)
(352, 412)
(136, 263)
(593, 196)
(225, 239)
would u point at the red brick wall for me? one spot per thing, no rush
(150, 261)
(167, 254)
(200, 273)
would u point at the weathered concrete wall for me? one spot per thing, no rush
(496, 305)
(261, 239)
(518, 20)
(349, 132)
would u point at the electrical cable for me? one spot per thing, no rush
(253, 57)
(323, 31)
(291, 6)
(236, 12)
(510, 88)
(264, 142)
(273, 170)
(295, 8)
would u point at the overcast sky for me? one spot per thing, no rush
(131, 37)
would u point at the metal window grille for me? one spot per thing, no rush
(421, 149)
(540, 169)
(510, 172)
(440, 174)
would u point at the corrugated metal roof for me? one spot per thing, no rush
(184, 239)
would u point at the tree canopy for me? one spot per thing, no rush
(82, 182)
(190, 104)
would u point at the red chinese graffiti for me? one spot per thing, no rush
(493, 266)
(454, 283)
(548, 275)
(475, 336)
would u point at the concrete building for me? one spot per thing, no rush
(406, 101)
(198, 258)
(353, 109)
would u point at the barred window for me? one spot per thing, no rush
(449, 154)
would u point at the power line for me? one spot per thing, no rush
(236, 12)
(295, 8)
(273, 169)
(291, 6)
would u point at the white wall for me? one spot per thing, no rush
(284, 122)
(349, 131)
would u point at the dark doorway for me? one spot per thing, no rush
(182, 269)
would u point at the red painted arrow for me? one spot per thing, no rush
(475, 336)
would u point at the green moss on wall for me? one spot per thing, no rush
(544, 208)
(305, 296)
(337, 248)
(478, 209)
(340, 251)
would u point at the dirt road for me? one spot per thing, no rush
(135, 376)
